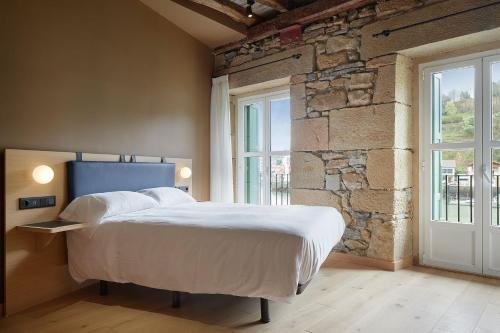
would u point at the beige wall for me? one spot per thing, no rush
(103, 76)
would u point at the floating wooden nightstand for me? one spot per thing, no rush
(51, 227)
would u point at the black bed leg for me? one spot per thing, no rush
(103, 288)
(264, 310)
(176, 299)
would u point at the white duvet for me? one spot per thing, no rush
(234, 249)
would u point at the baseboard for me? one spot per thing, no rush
(373, 262)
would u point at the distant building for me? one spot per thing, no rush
(448, 167)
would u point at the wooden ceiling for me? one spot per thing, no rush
(262, 9)
(269, 15)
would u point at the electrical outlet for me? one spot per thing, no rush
(37, 202)
(183, 188)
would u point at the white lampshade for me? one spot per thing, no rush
(185, 172)
(43, 174)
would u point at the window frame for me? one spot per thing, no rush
(266, 153)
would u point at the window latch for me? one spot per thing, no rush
(485, 173)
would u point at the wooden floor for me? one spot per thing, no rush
(342, 298)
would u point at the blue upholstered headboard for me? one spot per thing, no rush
(87, 177)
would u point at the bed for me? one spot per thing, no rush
(265, 252)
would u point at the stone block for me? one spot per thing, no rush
(230, 55)
(315, 26)
(315, 198)
(325, 61)
(366, 11)
(352, 181)
(333, 182)
(313, 35)
(370, 127)
(385, 87)
(403, 244)
(337, 164)
(300, 78)
(308, 171)
(347, 218)
(381, 240)
(359, 98)
(310, 134)
(340, 43)
(219, 60)
(394, 82)
(339, 83)
(353, 244)
(356, 24)
(380, 201)
(397, 166)
(329, 101)
(298, 100)
(241, 59)
(366, 234)
(357, 158)
(331, 155)
(319, 85)
(385, 60)
(404, 69)
(403, 124)
(361, 81)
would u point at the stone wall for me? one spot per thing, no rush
(351, 127)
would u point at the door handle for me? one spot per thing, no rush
(485, 174)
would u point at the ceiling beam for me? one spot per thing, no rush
(314, 11)
(278, 5)
(229, 8)
(317, 10)
(214, 15)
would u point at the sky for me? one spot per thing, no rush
(280, 124)
(496, 72)
(462, 79)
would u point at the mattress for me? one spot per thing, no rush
(206, 247)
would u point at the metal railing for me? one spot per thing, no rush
(280, 189)
(459, 190)
(456, 191)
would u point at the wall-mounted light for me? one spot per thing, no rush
(249, 8)
(185, 172)
(43, 174)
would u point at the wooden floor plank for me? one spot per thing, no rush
(343, 297)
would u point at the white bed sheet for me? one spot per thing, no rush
(234, 249)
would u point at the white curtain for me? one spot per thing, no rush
(221, 164)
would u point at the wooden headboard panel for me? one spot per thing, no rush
(35, 264)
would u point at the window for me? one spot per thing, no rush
(264, 149)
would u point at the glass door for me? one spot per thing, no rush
(491, 180)
(460, 153)
(451, 157)
(264, 126)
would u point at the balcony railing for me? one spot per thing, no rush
(280, 189)
(459, 190)
(458, 203)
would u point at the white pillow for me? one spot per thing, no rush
(92, 208)
(168, 196)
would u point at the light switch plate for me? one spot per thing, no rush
(37, 202)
